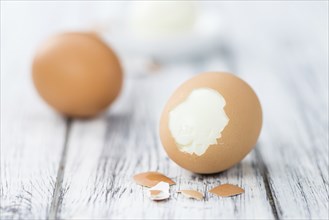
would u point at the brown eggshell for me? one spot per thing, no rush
(226, 190)
(77, 74)
(155, 192)
(238, 137)
(150, 179)
(193, 194)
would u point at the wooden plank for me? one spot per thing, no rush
(294, 143)
(31, 147)
(291, 78)
(106, 152)
(286, 177)
(32, 135)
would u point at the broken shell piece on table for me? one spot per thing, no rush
(159, 191)
(226, 190)
(193, 194)
(150, 179)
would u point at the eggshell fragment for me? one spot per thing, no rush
(159, 192)
(226, 190)
(193, 194)
(150, 179)
(155, 192)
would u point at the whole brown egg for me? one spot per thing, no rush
(77, 74)
(211, 122)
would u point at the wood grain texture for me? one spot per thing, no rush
(294, 143)
(105, 153)
(285, 177)
(31, 145)
(291, 79)
(83, 169)
(293, 87)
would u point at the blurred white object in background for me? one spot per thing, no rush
(165, 30)
(161, 19)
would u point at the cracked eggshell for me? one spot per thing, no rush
(238, 137)
(150, 179)
(227, 190)
(193, 194)
(159, 192)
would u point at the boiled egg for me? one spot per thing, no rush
(211, 122)
(77, 74)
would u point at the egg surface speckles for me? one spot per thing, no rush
(211, 122)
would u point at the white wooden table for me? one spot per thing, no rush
(53, 167)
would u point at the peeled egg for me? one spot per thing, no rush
(211, 122)
(77, 74)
